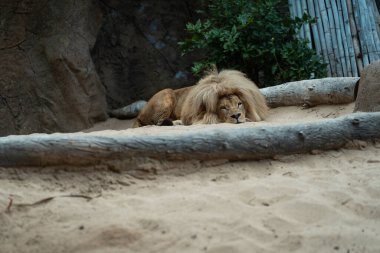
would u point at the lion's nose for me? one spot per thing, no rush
(236, 115)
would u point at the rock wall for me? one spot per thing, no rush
(48, 81)
(136, 53)
(62, 61)
(368, 99)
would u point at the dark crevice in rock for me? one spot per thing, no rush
(136, 52)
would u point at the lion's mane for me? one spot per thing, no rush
(200, 105)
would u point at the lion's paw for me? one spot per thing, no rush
(177, 123)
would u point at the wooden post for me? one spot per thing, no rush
(322, 37)
(361, 33)
(344, 39)
(292, 8)
(367, 22)
(299, 14)
(347, 32)
(376, 15)
(355, 39)
(338, 32)
(328, 37)
(349, 38)
(373, 32)
(314, 28)
(306, 26)
(332, 26)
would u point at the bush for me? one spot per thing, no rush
(254, 37)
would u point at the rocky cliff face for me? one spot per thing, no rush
(136, 53)
(368, 99)
(48, 81)
(62, 61)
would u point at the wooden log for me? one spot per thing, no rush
(337, 90)
(232, 142)
(312, 92)
(129, 111)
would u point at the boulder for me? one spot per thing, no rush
(368, 97)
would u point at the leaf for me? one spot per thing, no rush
(255, 36)
(274, 69)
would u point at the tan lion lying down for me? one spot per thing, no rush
(225, 97)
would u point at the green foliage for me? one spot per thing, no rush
(252, 36)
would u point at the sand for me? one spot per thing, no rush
(321, 202)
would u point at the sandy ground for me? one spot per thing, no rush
(321, 202)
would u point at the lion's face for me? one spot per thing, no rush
(231, 109)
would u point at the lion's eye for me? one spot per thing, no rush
(223, 108)
(240, 104)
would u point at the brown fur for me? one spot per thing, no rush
(216, 98)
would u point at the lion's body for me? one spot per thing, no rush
(222, 97)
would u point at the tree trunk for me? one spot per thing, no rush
(232, 142)
(312, 92)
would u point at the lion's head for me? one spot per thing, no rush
(230, 109)
(225, 97)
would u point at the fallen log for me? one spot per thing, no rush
(313, 92)
(128, 112)
(310, 93)
(232, 142)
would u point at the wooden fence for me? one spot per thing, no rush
(346, 32)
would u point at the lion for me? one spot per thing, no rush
(219, 97)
